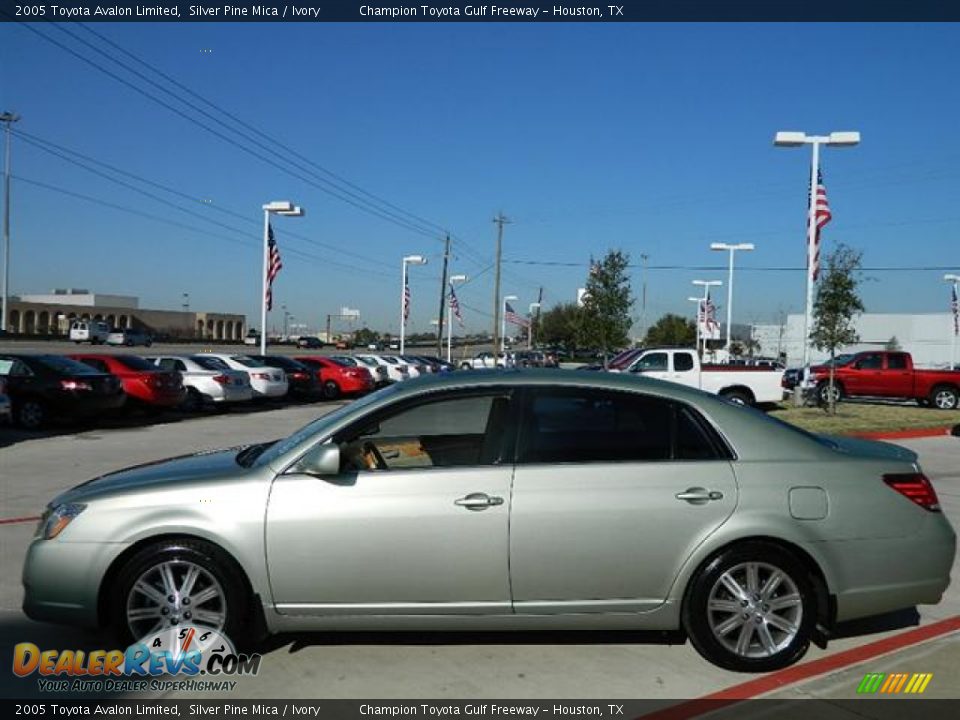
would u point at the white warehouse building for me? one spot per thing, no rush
(928, 337)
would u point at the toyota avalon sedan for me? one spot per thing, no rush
(507, 500)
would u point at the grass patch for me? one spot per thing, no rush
(865, 417)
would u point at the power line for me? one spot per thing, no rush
(797, 268)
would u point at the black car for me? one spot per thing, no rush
(438, 364)
(303, 381)
(309, 342)
(43, 387)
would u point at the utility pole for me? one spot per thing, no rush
(8, 118)
(500, 221)
(443, 296)
(643, 301)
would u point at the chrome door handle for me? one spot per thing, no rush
(478, 501)
(697, 495)
(391, 454)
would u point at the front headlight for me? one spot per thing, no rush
(56, 519)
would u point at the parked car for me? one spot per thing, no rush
(436, 363)
(417, 366)
(44, 387)
(144, 383)
(485, 360)
(888, 375)
(395, 371)
(6, 407)
(679, 512)
(791, 378)
(337, 377)
(252, 338)
(94, 332)
(267, 382)
(301, 380)
(738, 384)
(378, 371)
(309, 342)
(207, 380)
(129, 337)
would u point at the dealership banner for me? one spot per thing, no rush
(454, 11)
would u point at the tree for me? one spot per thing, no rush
(365, 336)
(558, 326)
(671, 330)
(835, 307)
(893, 345)
(605, 317)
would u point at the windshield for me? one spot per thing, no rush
(65, 365)
(368, 361)
(317, 427)
(345, 362)
(135, 363)
(248, 361)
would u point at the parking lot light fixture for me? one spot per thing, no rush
(731, 249)
(453, 280)
(791, 138)
(954, 279)
(408, 260)
(277, 207)
(503, 327)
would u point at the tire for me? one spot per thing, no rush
(193, 402)
(945, 397)
(225, 606)
(31, 413)
(331, 391)
(466, 366)
(823, 393)
(753, 643)
(737, 397)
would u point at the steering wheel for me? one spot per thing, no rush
(372, 457)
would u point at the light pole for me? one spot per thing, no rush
(533, 306)
(277, 207)
(796, 139)
(706, 285)
(696, 320)
(286, 316)
(955, 315)
(8, 118)
(408, 260)
(503, 327)
(732, 249)
(452, 280)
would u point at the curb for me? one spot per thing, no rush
(943, 430)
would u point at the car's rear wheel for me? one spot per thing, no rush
(178, 582)
(193, 401)
(945, 397)
(331, 391)
(31, 413)
(737, 397)
(751, 609)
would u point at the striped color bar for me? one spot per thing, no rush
(894, 683)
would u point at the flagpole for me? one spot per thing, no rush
(811, 250)
(450, 330)
(263, 293)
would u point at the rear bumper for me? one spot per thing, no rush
(76, 404)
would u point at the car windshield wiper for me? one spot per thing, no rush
(247, 456)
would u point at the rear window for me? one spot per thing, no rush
(344, 362)
(134, 363)
(66, 365)
(248, 361)
(209, 363)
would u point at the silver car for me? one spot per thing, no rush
(207, 379)
(511, 500)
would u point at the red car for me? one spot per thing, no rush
(142, 381)
(338, 378)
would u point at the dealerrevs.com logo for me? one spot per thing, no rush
(186, 651)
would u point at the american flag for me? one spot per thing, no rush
(821, 216)
(455, 306)
(955, 307)
(708, 316)
(274, 264)
(511, 316)
(406, 298)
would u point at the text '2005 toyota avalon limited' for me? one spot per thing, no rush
(508, 500)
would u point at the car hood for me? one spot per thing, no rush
(870, 448)
(186, 469)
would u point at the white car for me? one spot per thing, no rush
(91, 331)
(266, 381)
(207, 379)
(413, 369)
(379, 372)
(395, 371)
(129, 337)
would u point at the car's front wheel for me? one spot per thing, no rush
(178, 582)
(751, 609)
(824, 393)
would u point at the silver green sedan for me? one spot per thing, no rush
(507, 500)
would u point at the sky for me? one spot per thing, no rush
(653, 139)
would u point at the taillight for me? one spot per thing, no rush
(297, 375)
(75, 385)
(915, 487)
(260, 376)
(222, 379)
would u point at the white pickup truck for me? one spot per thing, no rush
(747, 385)
(483, 360)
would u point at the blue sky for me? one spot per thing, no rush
(650, 138)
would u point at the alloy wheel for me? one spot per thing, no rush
(755, 610)
(945, 399)
(31, 414)
(175, 592)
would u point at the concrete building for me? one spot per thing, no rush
(925, 336)
(52, 314)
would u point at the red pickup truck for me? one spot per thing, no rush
(889, 375)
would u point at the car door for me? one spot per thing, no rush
(654, 365)
(416, 522)
(612, 493)
(863, 377)
(897, 378)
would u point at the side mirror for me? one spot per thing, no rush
(322, 460)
